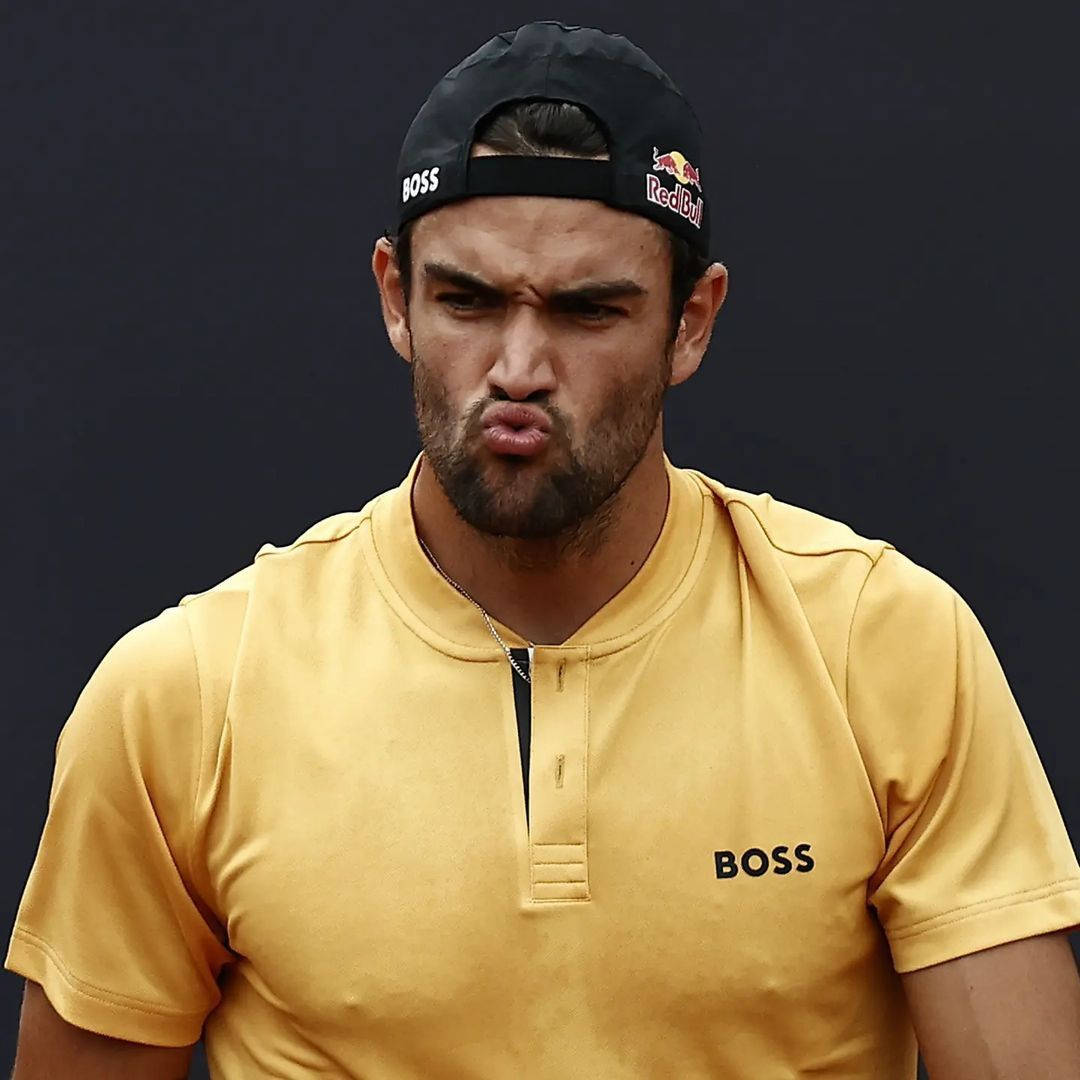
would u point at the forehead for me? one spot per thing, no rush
(542, 241)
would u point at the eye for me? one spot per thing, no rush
(591, 312)
(461, 301)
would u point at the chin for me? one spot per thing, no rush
(507, 508)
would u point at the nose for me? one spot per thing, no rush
(524, 364)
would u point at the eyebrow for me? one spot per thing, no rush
(590, 291)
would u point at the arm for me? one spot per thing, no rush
(1008, 1013)
(49, 1046)
(141, 961)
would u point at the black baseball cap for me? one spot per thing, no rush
(653, 136)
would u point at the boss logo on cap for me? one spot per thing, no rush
(420, 183)
(678, 199)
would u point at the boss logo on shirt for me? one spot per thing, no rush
(754, 861)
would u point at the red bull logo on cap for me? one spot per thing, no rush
(678, 199)
(673, 162)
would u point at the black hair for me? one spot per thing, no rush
(555, 128)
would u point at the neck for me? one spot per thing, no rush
(544, 590)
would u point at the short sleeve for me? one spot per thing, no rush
(110, 923)
(976, 850)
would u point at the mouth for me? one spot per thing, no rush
(516, 430)
(501, 439)
(518, 417)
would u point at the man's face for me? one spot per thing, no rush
(497, 314)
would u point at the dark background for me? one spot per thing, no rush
(194, 363)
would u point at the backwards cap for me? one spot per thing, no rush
(653, 136)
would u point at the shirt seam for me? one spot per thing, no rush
(299, 542)
(809, 554)
(997, 903)
(97, 993)
(851, 633)
(190, 846)
(881, 814)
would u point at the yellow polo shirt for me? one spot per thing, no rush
(780, 766)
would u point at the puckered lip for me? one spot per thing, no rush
(516, 416)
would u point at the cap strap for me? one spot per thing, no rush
(504, 174)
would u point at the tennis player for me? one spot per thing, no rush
(556, 760)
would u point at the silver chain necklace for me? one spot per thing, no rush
(490, 626)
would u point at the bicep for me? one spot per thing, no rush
(1009, 1011)
(49, 1046)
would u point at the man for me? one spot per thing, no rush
(555, 760)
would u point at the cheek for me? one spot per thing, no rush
(444, 385)
(457, 352)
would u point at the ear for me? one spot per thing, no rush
(696, 324)
(395, 311)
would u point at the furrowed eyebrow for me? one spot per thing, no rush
(595, 291)
(451, 275)
(590, 292)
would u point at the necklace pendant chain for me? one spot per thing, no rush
(494, 633)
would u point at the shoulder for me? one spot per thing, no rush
(317, 563)
(285, 586)
(800, 538)
(325, 531)
(225, 604)
(811, 565)
(824, 574)
(786, 527)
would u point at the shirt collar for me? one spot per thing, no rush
(440, 614)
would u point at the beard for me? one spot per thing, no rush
(563, 496)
